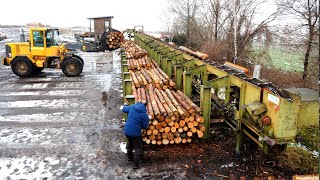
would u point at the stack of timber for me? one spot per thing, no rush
(133, 51)
(175, 118)
(114, 39)
(145, 72)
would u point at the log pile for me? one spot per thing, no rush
(114, 39)
(175, 118)
(150, 76)
(133, 51)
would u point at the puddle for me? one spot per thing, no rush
(48, 93)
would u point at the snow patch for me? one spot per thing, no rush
(20, 168)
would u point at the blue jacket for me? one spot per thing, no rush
(137, 119)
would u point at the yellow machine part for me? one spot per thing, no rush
(289, 115)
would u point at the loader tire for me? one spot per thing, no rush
(22, 67)
(72, 67)
(80, 59)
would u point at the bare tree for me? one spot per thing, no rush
(307, 16)
(185, 11)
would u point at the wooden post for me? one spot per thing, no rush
(205, 105)
(187, 83)
(178, 77)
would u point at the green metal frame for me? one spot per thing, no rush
(183, 67)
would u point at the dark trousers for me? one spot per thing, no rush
(136, 144)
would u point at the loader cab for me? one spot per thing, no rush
(43, 42)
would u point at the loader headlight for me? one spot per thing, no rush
(9, 55)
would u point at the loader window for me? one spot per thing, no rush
(38, 39)
(52, 36)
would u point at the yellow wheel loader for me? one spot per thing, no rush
(42, 51)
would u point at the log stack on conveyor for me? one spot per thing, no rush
(175, 118)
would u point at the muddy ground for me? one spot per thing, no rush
(56, 127)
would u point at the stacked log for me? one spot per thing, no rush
(133, 51)
(175, 118)
(114, 39)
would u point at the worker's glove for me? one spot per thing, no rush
(121, 107)
(149, 116)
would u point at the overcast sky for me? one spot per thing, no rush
(67, 13)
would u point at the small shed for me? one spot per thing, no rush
(100, 24)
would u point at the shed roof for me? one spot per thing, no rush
(102, 17)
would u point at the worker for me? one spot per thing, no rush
(137, 120)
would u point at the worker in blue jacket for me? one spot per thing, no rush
(137, 120)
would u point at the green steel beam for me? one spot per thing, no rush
(178, 76)
(205, 105)
(187, 83)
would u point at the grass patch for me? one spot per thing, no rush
(279, 58)
(311, 138)
(299, 160)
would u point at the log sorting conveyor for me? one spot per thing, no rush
(269, 116)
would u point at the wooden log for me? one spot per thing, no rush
(193, 130)
(152, 137)
(146, 76)
(189, 133)
(149, 132)
(176, 125)
(180, 130)
(171, 106)
(177, 140)
(163, 79)
(202, 128)
(189, 140)
(200, 134)
(149, 106)
(163, 111)
(155, 132)
(182, 123)
(134, 79)
(197, 117)
(190, 125)
(185, 128)
(154, 142)
(138, 97)
(195, 123)
(153, 77)
(155, 107)
(172, 141)
(152, 127)
(175, 103)
(148, 141)
(143, 96)
(155, 122)
(182, 102)
(167, 129)
(159, 126)
(161, 130)
(163, 74)
(194, 106)
(171, 123)
(173, 129)
(164, 103)
(170, 136)
(184, 140)
(165, 141)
